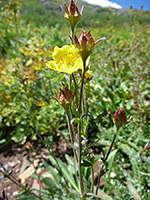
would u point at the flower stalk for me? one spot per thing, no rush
(74, 59)
(71, 131)
(119, 119)
(80, 127)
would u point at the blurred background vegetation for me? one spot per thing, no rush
(121, 66)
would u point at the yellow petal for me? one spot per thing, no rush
(66, 59)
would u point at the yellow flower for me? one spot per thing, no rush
(66, 59)
(88, 75)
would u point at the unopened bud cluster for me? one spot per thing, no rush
(85, 43)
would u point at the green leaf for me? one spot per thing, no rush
(101, 195)
(144, 93)
(69, 161)
(49, 182)
(75, 120)
(2, 141)
(74, 192)
(52, 160)
(26, 197)
(86, 163)
(110, 160)
(133, 191)
(130, 104)
(124, 85)
(53, 172)
(67, 174)
(65, 171)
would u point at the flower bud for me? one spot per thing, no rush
(119, 118)
(72, 13)
(85, 44)
(88, 75)
(65, 97)
(28, 145)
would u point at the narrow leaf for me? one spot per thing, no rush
(110, 160)
(101, 195)
(86, 163)
(133, 191)
(49, 182)
(53, 172)
(68, 175)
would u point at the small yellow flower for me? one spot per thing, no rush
(88, 75)
(66, 59)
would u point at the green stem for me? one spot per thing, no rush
(73, 129)
(79, 159)
(81, 87)
(71, 134)
(72, 33)
(99, 178)
(70, 77)
(110, 148)
(85, 104)
(69, 82)
(75, 90)
(79, 128)
(92, 173)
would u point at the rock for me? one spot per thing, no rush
(23, 177)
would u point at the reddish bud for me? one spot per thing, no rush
(72, 13)
(85, 44)
(28, 145)
(65, 97)
(39, 181)
(119, 118)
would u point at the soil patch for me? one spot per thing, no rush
(17, 157)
